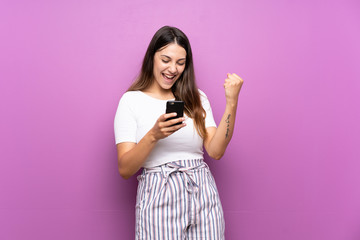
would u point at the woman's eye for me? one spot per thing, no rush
(165, 61)
(181, 64)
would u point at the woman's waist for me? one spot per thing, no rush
(180, 165)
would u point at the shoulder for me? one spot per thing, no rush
(204, 100)
(129, 101)
(201, 92)
(130, 96)
(203, 96)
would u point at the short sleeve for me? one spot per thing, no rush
(125, 122)
(209, 120)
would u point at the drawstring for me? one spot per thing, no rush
(190, 184)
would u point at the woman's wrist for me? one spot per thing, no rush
(231, 103)
(151, 137)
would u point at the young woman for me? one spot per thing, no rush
(177, 197)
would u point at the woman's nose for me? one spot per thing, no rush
(172, 68)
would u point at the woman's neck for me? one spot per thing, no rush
(158, 92)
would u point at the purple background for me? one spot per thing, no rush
(292, 170)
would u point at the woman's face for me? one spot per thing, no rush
(169, 64)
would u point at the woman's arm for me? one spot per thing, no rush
(131, 156)
(218, 138)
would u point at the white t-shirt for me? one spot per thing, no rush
(137, 113)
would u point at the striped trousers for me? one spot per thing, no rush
(177, 201)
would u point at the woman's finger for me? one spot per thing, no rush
(165, 116)
(173, 128)
(173, 122)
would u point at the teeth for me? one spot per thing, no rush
(169, 77)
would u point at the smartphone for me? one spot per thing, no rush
(175, 106)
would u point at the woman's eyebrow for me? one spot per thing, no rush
(170, 57)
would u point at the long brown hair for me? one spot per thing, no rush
(185, 88)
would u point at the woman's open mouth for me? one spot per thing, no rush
(168, 78)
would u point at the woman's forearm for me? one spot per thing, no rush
(131, 161)
(224, 132)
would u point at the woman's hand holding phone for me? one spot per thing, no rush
(165, 127)
(169, 122)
